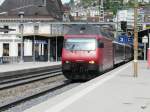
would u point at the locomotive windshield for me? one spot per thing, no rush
(80, 44)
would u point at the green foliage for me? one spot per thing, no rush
(109, 5)
(112, 5)
(87, 2)
(72, 2)
(130, 4)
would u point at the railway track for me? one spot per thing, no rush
(16, 81)
(56, 81)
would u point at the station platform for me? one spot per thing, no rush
(25, 67)
(115, 91)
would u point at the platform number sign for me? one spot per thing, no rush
(130, 40)
(123, 39)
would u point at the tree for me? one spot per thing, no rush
(130, 4)
(71, 2)
(86, 3)
(112, 5)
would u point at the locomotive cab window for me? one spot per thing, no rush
(79, 44)
(100, 44)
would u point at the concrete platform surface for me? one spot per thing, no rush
(115, 91)
(25, 66)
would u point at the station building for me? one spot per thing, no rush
(32, 24)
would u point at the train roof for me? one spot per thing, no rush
(83, 29)
(90, 30)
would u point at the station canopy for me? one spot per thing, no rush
(143, 33)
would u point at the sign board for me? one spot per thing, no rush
(41, 42)
(145, 39)
(123, 39)
(130, 40)
(147, 26)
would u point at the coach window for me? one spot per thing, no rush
(100, 44)
(6, 49)
(43, 2)
(6, 27)
(103, 33)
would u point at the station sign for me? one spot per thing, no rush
(40, 42)
(130, 40)
(148, 26)
(145, 39)
(123, 39)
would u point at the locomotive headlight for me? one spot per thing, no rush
(91, 62)
(67, 62)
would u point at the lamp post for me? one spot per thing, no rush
(101, 10)
(56, 43)
(135, 40)
(21, 14)
(117, 20)
(36, 28)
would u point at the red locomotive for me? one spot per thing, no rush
(89, 51)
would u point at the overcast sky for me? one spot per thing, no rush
(1, 1)
(63, 1)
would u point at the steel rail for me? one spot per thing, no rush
(29, 79)
(13, 79)
(26, 97)
(20, 81)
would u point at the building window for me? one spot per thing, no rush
(6, 49)
(21, 28)
(36, 29)
(19, 49)
(42, 3)
(6, 27)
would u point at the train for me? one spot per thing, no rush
(90, 50)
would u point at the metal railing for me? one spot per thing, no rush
(8, 59)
